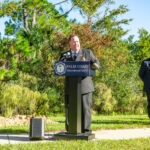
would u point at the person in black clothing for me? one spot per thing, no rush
(144, 73)
(76, 53)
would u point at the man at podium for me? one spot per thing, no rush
(76, 53)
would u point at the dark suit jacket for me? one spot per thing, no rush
(86, 83)
(144, 74)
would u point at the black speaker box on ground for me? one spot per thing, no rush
(36, 128)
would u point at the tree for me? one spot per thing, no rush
(141, 47)
(33, 46)
(39, 34)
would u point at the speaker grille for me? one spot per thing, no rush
(36, 128)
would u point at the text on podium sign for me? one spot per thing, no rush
(72, 68)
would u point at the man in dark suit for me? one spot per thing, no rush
(76, 53)
(144, 74)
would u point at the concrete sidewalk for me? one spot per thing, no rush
(117, 134)
(22, 138)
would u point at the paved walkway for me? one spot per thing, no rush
(117, 134)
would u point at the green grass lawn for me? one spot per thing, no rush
(99, 122)
(108, 122)
(131, 144)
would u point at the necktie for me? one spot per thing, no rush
(74, 56)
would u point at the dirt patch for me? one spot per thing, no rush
(20, 120)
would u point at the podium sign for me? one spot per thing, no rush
(73, 68)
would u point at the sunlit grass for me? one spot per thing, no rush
(131, 144)
(120, 121)
(99, 122)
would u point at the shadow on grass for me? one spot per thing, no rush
(121, 122)
(124, 121)
(8, 130)
(99, 122)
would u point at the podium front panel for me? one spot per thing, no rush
(73, 68)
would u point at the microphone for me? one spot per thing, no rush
(65, 56)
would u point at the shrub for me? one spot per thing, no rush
(103, 99)
(15, 99)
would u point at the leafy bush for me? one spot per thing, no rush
(15, 99)
(55, 104)
(104, 102)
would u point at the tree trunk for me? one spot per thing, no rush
(25, 16)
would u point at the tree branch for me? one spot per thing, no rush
(65, 12)
(61, 2)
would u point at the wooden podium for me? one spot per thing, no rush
(74, 71)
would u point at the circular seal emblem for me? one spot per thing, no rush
(60, 68)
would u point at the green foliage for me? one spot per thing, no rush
(103, 99)
(141, 48)
(40, 33)
(10, 28)
(8, 60)
(110, 25)
(120, 73)
(22, 98)
(55, 104)
(18, 100)
(89, 7)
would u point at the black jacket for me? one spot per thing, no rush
(86, 83)
(144, 73)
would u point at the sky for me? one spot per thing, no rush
(139, 11)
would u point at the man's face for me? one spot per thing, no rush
(74, 44)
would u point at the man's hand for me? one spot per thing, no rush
(95, 66)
